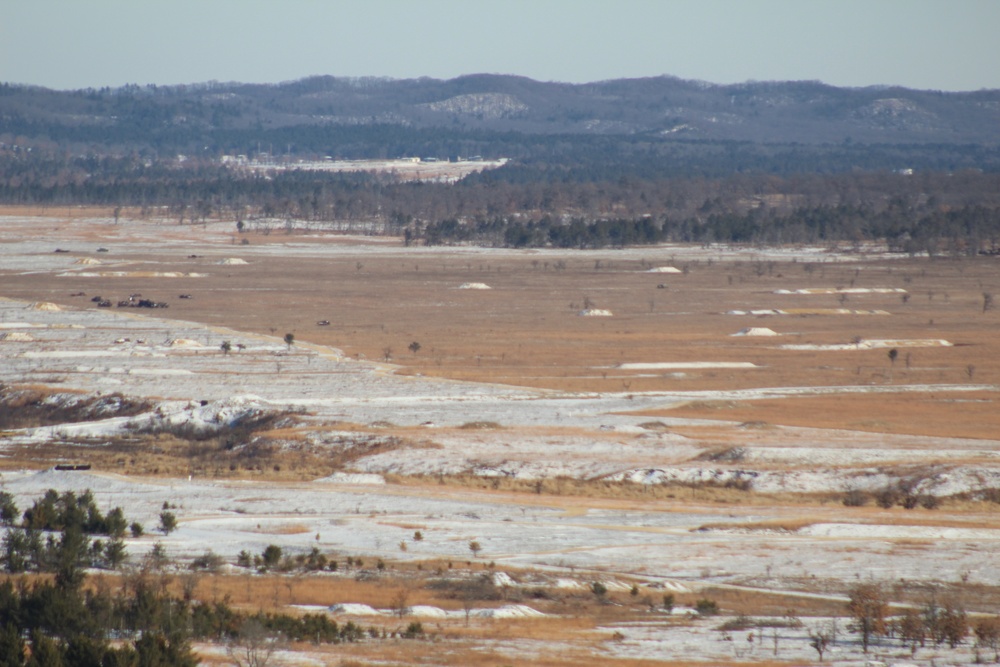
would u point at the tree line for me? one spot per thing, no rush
(926, 212)
(62, 620)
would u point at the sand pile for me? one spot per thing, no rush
(44, 305)
(88, 260)
(233, 261)
(756, 331)
(474, 286)
(16, 337)
(595, 312)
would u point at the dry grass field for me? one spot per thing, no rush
(820, 397)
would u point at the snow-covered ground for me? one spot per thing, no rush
(534, 435)
(542, 435)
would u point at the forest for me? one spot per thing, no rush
(599, 165)
(932, 212)
(55, 613)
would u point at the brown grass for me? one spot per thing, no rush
(957, 415)
(525, 330)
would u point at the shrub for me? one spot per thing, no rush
(271, 556)
(168, 522)
(414, 630)
(210, 561)
(706, 607)
(855, 498)
(930, 502)
(886, 497)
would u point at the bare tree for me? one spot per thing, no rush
(987, 301)
(988, 635)
(868, 605)
(401, 602)
(254, 646)
(820, 638)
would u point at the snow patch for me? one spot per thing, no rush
(666, 365)
(872, 344)
(664, 269)
(844, 290)
(595, 312)
(231, 261)
(183, 342)
(426, 611)
(130, 274)
(355, 609)
(756, 331)
(758, 313)
(474, 286)
(509, 611)
(353, 478)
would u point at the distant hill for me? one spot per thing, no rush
(229, 115)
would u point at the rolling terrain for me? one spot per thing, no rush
(759, 427)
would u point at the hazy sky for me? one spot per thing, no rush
(930, 44)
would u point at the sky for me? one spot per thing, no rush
(928, 44)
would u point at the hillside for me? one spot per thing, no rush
(662, 108)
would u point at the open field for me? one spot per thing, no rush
(649, 449)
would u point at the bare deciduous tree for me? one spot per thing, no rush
(988, 635)
(868, 606)
(401, 602)
(820, 638)
(254, 646)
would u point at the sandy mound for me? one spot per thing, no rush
(595, 312)
(664, 269)
(756, 331)
(232, 261)
(16, 337)
(44, 305)
(183, 342)
(88, 260)
(474, 286)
